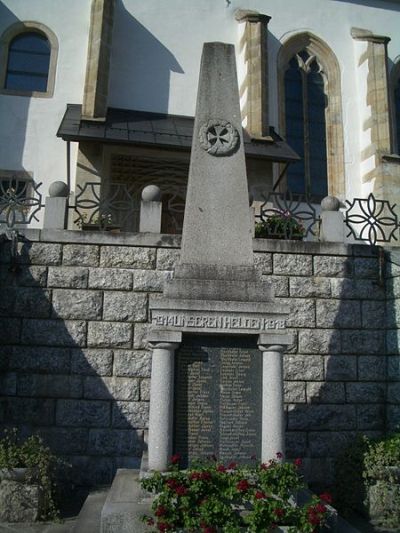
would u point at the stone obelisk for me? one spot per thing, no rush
(215, 290)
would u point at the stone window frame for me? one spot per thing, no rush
(5, 40)
(394, 78)
(333, 115)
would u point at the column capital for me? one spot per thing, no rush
(274, 342)
(164, 339)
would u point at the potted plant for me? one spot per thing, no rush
(280, 225)
(26, 478)
(100, 222)
(211, 496)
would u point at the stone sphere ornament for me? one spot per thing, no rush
(151, 193)
(58, 189)
(218, 137)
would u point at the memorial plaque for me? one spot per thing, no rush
(218, 398)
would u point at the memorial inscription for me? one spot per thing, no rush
(218, 399)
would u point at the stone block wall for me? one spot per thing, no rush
(74, 364)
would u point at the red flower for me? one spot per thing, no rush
(260, 495)
(326, 497)
(160, 511)
(221, 468)
(150, 522)
(313, 517)
(205, 476)
(243, 485)
(232, 465)
(207, 529)
(279, 512)
(320, 508)
(175, 458)
(171, 483)
(195, 475)
(181, 490)
(264, 466)
(298, 462)
(279, 455)
(162, 526)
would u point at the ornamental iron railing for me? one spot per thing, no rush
(20, 201)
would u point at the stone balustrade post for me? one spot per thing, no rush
(164, 344)
(332, 221)
(56, 206)
(150, 210)
(273, 415)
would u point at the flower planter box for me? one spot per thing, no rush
(20, 501)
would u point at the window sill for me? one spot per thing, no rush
(29, 94)
(391, 158)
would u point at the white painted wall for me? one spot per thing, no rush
(155, 64)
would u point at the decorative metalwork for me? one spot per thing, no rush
(20, 201)
(371, 220)
(105, 207)
(218, 137)
(287, 216)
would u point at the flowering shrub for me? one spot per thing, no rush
(281, 224)
(211, 497)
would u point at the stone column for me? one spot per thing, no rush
(56, 207)
(164, 344)
(273, 418)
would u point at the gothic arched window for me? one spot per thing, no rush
(311, 116)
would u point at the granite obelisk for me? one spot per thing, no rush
(215, 291)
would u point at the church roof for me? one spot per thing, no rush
(125, 126)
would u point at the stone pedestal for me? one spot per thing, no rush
(162, 398)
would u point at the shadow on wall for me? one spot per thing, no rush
(141, 66)
(13, 111)
(337, 377)
(389, 4)
(67, 371)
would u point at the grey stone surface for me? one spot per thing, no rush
(322, 417)
(132, 363)
(40, 359)
(363, 342)
(292, 264)
(49, 386)
(36, 411)
(319, 341)
(294, 391)
(310, 287)
(140, 333)
(372, 367)
(301, 312)
(19, 502)
(392, 341)
(366, 267)
(39, 253)
(279, 284)
(25, 302)
(109, 335)
(10, 330)
(393, 393)
(127, 306)
(263, 263)
(321, 392)
(145, 390)
(115, 442)
(329, 443)
(393, 417)
(65, 440)
(373, 314)
(365, 392)
(26, 276)
(296, 444)
(150, 216)
(128, 257)
(54, 332)
(72, 304)
(338, 314)
(216, 229)
(81, 255)
(167, 258)
(92, 362)
(303, 367)
(340, 368)
(130, 415)
(110, 278)
(393, 367)
(8, 384)
(333, 266)
(150, 280)
(55, 213)
(370, 417)
(83, 413)
(345, 288)
(111, 388)
(125, 505)
(68, 277)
